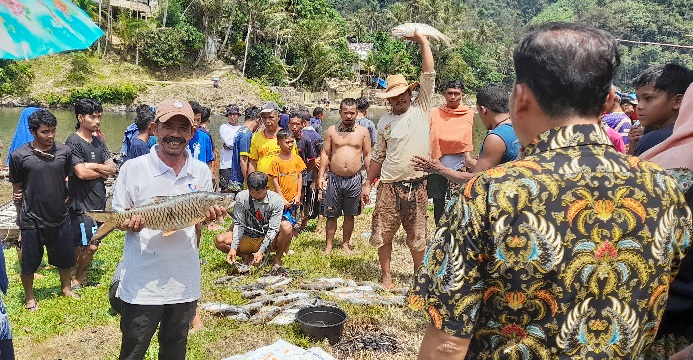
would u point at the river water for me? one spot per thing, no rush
(113, 125)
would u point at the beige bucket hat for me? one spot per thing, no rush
(396, 85)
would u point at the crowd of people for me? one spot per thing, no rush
(565, 236)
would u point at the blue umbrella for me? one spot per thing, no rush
(31, 28)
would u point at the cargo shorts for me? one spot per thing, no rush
(401, 203)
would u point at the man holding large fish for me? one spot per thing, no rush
(160, 271)
(402, 134)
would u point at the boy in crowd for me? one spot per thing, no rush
(138, 145)
(37, 172)
(241, 148)
(92, 165)
(228, 132)
(316, 120)
(660, 90)
(200, 145)
(346, 144)
(286, 171)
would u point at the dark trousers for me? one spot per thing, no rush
(139, 322)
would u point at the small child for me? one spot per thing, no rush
(286, 172)
(660, 90)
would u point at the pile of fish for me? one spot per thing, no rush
(270, 301)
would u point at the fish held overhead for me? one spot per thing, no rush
(166, 213)
(407, 30)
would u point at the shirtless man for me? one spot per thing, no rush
(344, 147)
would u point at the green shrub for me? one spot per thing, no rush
(15, 77)
(171, 46)
(55, 99)
(265, 93)
(108, 94)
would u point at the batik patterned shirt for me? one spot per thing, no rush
(565, 253)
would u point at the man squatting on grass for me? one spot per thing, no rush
(258, 225)
(402, 196)
(346, 149)
(160, 276)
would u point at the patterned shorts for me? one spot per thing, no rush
(401, 203)
(5, 329)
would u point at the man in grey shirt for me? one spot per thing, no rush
(259, 224)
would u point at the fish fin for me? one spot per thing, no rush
(100, 216)
(103, 230)
(169, 232)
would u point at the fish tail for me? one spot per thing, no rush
(108, 220)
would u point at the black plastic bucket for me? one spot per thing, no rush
(322, 322)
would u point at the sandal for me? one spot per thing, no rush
(31, 305)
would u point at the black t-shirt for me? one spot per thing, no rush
(652, 138)
(87, 194)
(307, 152)
(43, 183)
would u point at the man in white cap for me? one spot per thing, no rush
(402, 198)
(160, 276)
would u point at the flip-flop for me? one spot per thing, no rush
(90, 284)
(76, 287)
(33, 307)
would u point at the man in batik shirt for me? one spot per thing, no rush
(569, 251)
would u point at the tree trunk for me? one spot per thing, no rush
(247, 42)
(163, 21)
(228, 28)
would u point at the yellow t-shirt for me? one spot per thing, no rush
(264, 150)
(287, 171)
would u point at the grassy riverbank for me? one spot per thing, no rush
(87, 328)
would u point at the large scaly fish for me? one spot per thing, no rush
(166, 213)
(408, 30)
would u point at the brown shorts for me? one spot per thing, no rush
(401, 203)
(249, 245)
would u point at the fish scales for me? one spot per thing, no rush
(166, 213)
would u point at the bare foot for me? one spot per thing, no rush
(386, 281)
(31, 305)
(347, 250)
(328, 250)
(196, 324)
(38, 276)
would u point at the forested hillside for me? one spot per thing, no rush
(301, 42)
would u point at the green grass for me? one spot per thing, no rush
(88, 329)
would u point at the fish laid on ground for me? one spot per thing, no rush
(225, 279)
(288, 299)
(408, 30)
(265, 314)
(286, 317)
(166, 213)
(239, 317)
(286, 281)
(252, 308)
(316, 285)
(251, 294)
(222, 309)
(270, 280)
